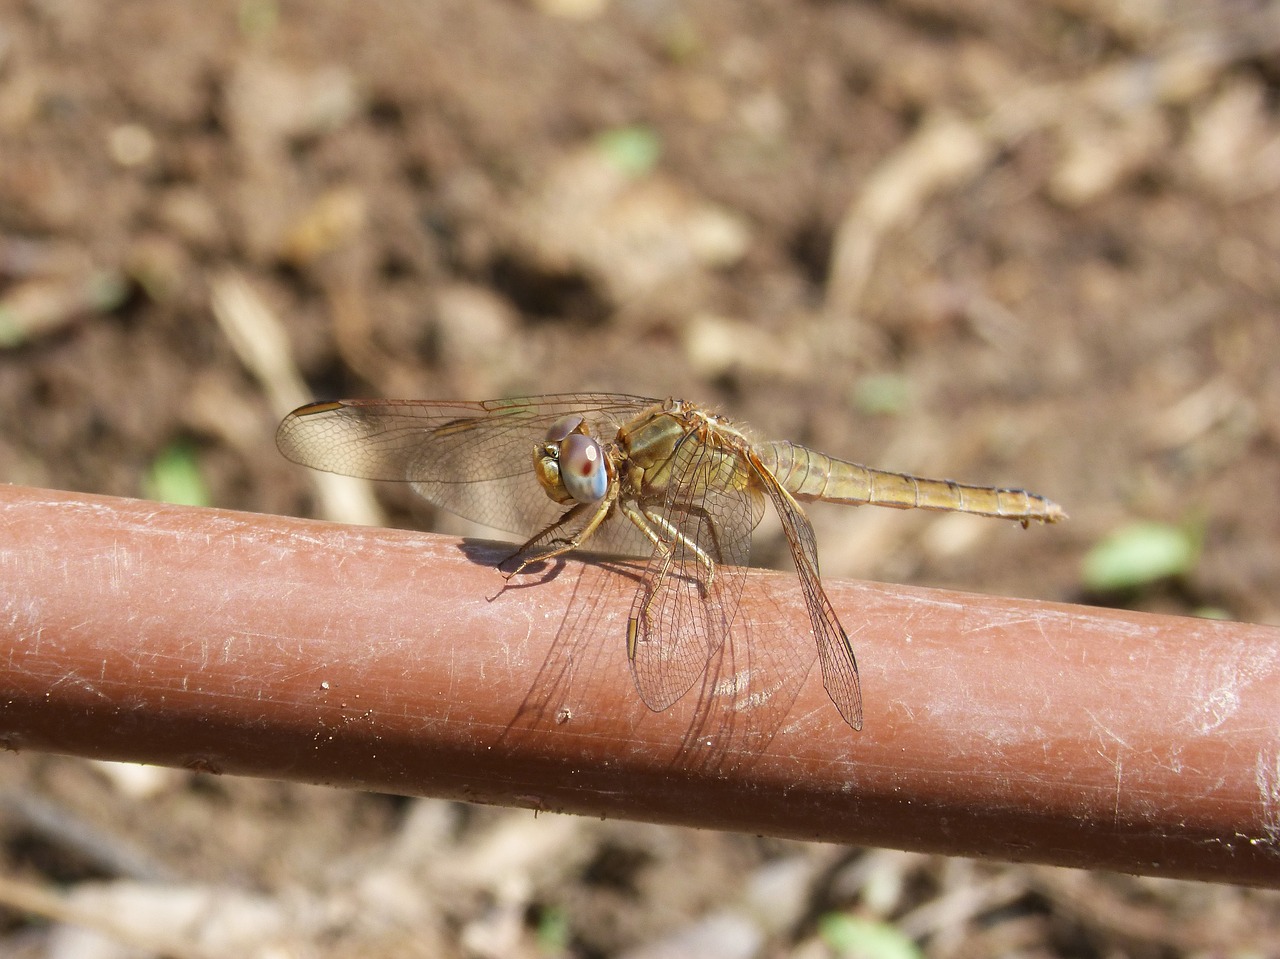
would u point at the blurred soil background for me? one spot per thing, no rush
(1023, 242)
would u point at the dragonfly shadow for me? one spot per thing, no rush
(730, 715)
(575, 650)
(493, 554)
(747, 694)
(503, 558)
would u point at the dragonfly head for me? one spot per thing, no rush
(570, 464)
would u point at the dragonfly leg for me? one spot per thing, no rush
(679, 537)
(642, 522)
(645, 520)
(540, 547)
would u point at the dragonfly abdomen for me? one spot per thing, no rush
(809, 475)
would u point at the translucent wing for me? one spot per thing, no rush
(473, 459)
(683, 610)
(839, 668)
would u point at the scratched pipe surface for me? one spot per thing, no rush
(396, 661)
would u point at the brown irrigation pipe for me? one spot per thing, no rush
(397, 661)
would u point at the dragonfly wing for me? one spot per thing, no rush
(473, 459)
(684, 608)
(839, 668)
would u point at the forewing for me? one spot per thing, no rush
(839, 668)
(473, 459)
(684, 608)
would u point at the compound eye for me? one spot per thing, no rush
(582, 468)
(562, 427)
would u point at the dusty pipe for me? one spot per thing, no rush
(397, 661)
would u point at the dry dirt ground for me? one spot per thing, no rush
(1025, 242)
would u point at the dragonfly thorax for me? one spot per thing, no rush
(570, 464)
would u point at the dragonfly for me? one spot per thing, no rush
(666, 480)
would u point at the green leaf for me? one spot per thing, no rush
(258, 18)
(883, 393)
(175, 477)
(11, 331)
(633, 150)
(106, 290)
(552, 932)
(1211, 612)
(854, 938)
(1139, 554)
